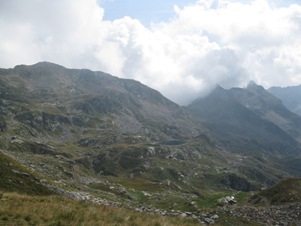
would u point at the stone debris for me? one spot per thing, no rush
(283, 215)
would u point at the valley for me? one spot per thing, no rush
(95, 138)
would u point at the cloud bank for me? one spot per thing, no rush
(206, 43)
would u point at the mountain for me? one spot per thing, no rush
(83, 127)
(253, 122)
(249, 120)
(290, 96)
(270, 108)
(92, 136)
(46, 93)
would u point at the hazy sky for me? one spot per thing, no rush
(181, 48)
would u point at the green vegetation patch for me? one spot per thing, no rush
(139, 184)
(226, 220)
(210, 200)
(242, 197)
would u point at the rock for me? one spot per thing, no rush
(188, 213)
(146, 194)
(209, 221)
(271, 215)
(228, 200)
(150, 151)
(146, 165)
(122, 191)
(215, 217)
(183, 215)
(43, 181)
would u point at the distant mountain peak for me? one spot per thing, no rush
(252, 86)
(40, 64)
(251, 83)
(219, 89)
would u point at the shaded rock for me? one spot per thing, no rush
(228, 200)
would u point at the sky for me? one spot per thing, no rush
(180, 48)
(147, 12)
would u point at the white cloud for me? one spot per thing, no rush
(209, 42)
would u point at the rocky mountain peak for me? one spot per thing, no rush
(219, 90)
(253, 87)
(249, 119)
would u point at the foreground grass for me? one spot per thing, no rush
(17, 209)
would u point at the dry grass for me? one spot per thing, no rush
(16, 209)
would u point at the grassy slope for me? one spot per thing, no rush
(23, 202)
(21, 210)
(286, 191)
(14, 177)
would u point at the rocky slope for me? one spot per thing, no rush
(253, 122)
(278, 205)
(91, 130)
(249, 120)
(46, 95)
(119, 142)
(269, 108)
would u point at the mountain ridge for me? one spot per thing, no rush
(109, 94)
(290, 97)
(93, 131)
(94, 137)
(257, 115)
